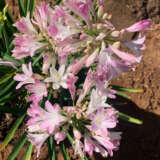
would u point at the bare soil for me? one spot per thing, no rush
(139, 142)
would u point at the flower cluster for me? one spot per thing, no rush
(78, 50)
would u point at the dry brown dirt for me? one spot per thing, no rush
(138, 142)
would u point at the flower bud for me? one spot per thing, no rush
(99, 26)
(115, 33)
(77, 134)
(105, 15)
(116, 44)
(109, 16)
(100, 11)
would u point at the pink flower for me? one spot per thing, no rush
(103, 119)
(25, 45)
(37, 139)
(37, 115)
(36, 135)
(77, 65)
(92, 58)
(62, 25)
(71, 45)
(60, 136)
(77, 134)
(78, 147)
(71, 80)
(101, 2)
(136, 45)
(81, 8)
(91, 145)
(53, 118)
(106, 143)
(38, 89)
(128, 58)
(104, 90)
(48, 60)
(96, 101)
(108, 66)
(47, 120)
(41, 15)
(141, 25)
(88, 83)
(25, 25)
(25, 78)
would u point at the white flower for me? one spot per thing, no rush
(96, 101)
(58, 78)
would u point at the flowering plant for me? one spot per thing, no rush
(63, 60)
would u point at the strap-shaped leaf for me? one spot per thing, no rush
(58, 2)
(12, 132)
(18, 147)
(32, 7)
(21, 8)
(7, 88)
(51, 148)
(27, 6)
(2, 4)
(123, 95)
(28, 153)
(9, 58)
(6, 97)
(5, 38)
(129, 118)
(64, 152)
(135, 90)
(9, 16)
(6, 77)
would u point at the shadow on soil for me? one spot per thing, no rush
(139, 142)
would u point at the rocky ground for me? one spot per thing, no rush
(138, 142)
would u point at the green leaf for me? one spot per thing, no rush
(8, 109)
(2, 4)
(58, 2)
(123, 95)
(9, 58)
(28, 153)
(6, 97)
(64, 152)
(5, 78)
(51, 148)
(69, 137)
(32, 7)
(18, 147)
(21, 8)
(5, 69)
(37, 59)
(129, 118)
(134, 90)
(7, 88)
(5, 38)
(11, 133)
(9, 16)
(27, 6)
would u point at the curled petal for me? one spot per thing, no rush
(139, 26)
